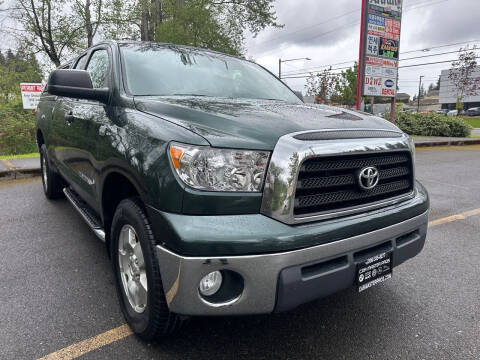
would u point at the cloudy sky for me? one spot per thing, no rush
(328, 33)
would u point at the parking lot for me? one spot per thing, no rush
(57, 289)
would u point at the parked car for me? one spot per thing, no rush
(452, 113)
(473, 111)
(217, 190)
(442, 111)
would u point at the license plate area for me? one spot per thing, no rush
(374, 271)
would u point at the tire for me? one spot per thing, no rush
(53, 183)
(146, 312)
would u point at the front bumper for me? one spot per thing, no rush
(277, 282)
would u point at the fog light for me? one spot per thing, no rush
(211, 283)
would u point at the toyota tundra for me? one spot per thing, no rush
(217, 190)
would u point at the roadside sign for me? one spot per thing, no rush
(379, 48)
(31, 94)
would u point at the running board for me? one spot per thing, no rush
(87, 214)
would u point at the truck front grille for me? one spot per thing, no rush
(331, 183)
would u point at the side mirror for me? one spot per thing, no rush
(75, 84)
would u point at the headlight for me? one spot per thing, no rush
(211, 169)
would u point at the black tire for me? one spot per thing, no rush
(156, 320)
(53, 183)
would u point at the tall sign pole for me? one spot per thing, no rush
(379, 50)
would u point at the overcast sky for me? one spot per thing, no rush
(328, 33)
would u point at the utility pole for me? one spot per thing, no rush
(419, 92)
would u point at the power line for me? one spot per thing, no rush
(313, 25)
(410, 58)
(440, 46)
(400, 67)
(427, 3)
(349, 62)
(432, 63)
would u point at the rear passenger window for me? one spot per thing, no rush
(81, 62)
(98, 68)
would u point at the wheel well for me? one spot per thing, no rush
(115, 189)
(40, 140)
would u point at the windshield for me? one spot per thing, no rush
(161, 70)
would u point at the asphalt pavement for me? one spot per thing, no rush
(57, 289)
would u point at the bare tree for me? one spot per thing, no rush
(90, 12)
(46, 26)
(321, 85)
(462, 75)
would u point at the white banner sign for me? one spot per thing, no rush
(31, 94)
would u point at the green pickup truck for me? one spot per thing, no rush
(217, 190)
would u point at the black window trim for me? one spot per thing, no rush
(84, 55)
(110, 59)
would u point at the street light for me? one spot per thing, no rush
(280, 61)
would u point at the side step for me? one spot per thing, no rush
(88, 215)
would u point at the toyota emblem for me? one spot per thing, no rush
(368, 178)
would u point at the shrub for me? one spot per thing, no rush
(432, 125)
(17, 129)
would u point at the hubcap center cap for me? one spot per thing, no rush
(134, 268)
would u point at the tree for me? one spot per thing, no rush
(437, 86)
(321, 85)
(46, 26)
(422, 91)
(58, 29)
(17, 68)
(90, 19)
(346, 86)
(121, 20)
(214, 24)
(430, 88)
(462, 75)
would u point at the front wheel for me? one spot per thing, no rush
(53, 183)
(137, 273)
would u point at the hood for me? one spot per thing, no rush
(252, 124)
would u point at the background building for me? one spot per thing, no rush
(448, 92)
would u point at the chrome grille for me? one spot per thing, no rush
(330, 183)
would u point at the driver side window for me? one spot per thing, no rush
(98, 67)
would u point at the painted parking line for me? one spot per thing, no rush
(123, 331)
(86, 346)
(9, 164)
(452, 218)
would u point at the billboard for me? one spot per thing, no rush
(31, 94)
(380, 47)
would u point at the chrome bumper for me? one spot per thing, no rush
(261, 273)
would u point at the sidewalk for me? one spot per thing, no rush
(19, 168)
(426, 141)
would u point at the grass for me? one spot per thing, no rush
(21, 156)
(472, 121)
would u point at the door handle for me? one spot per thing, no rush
(69, 118)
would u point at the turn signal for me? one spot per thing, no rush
(175, 155)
